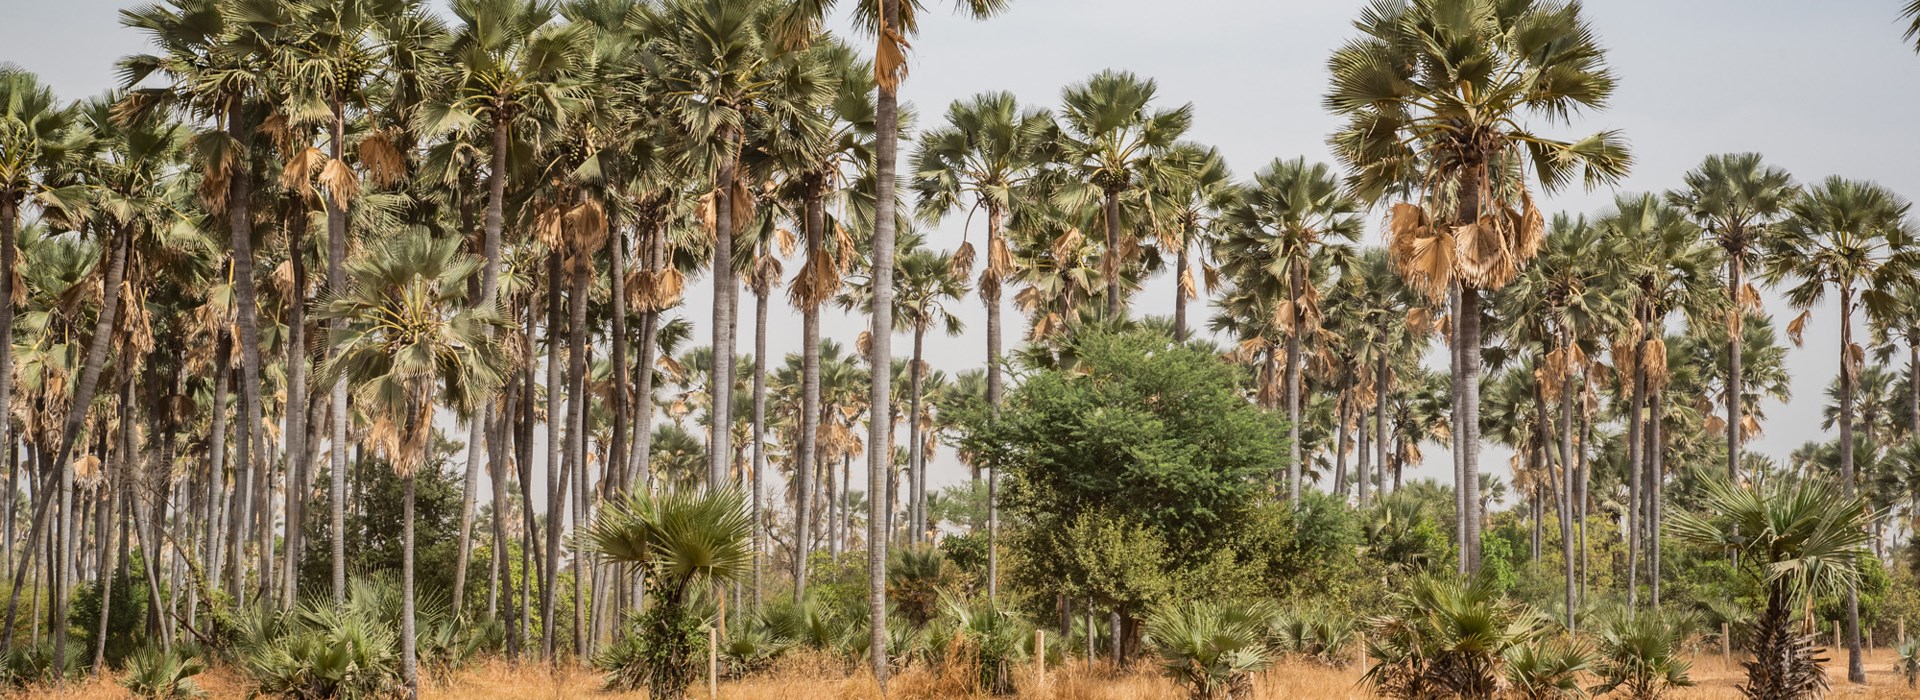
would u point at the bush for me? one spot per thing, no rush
(661, 650)
(1318, 637)
(35, 664)
(1640, 653)
(972, 632)
(1212, 648)
(127, 613)
(1448, 637)
(164, 675)
(323, 650)
(1547, 670)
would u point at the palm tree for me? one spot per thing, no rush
(1798, 538)
(681, 542)
(1437, 94)
(1662, 266)
(1108, 133)
(1736, 199)
(38, 139)
(928, 283)
(1291, 214)
(410, 340)
(1189, 186)
(1851, 236)
(213, 56)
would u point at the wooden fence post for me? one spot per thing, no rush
(1900, 629)
(1836, 634)
(1726, 643)
(1040, 651)
(713, 663)
(1361, 656)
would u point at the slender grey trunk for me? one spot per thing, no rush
(879, 432)
(1735, 378)
(759, 435)
(556, 494)
(1110, 206)
(1296, 281)
(990, 295)
(337, 395)
(1180, 292)
(720, 439)
(1856, 666)
(1566, 481)
(807, 452)
(916, 470)
(409, 664)
(1635, 454)
(296, 409)
(1656, 477)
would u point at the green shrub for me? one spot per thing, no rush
(1212, 648)
(164, 675)
(1640, 653)
(1547, 670)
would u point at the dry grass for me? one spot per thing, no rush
(817, 677)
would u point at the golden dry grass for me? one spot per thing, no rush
(811, 677)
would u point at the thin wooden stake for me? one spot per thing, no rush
(713, 663)
(1040, 652)
(1726, 643)
(1361, 654)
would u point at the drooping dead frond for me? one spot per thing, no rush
(1797, 327)
(586, 226)
(1422, 253)
(960, 263)
(297, 174)
(385, 165)
(341, 182)
(785, 241)
(890, 57)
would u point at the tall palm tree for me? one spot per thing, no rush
(1736, 199)
(213, 56)
(1189, 186)
(1662, 266)
(985, 155)
(412, 341)
(1438, 95)
(1280, 222)
(1109, 132)
(1850, 237)
(1799, 538)
(38, 138)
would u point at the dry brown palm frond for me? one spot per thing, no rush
(999, 259)
(816, 282)
(1187, 289)
(785, 241)
(1798, 326)
(297, 174)
(890, 58)
(1653, 357)
(341, 182)
(1065, 245)
(384, 162)
(960, 263)
(586, 226)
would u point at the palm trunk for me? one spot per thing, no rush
(217, 455)
(577, 428)
(296, 410)
(990, 295)
(1111, 210)
(1295, 469)
(616, 471)
(337, 451)
(1382, 384)
(916, 470)
(1469, 424)
(1180, 292)
(1656, 473)
(1566, 481)
(720, 438)
(879, 433)
(1342, 414)
(556, 495)
(759, 437)
(1736, 316)
(1856, 667)
(497, 473)
(409, 665)
(106, 574)
(807, 452)
(1458, 435)
(1363, 450)
(641, 457)
(9, 255)
(1635, 455)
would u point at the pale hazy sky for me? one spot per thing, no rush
(1820, 88)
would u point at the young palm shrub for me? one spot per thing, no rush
(35, 664)
(164, 674)
(1640, 653)
(1449, 637)
(1212, 648)
(1798, 539)
(1908, 665)
(323, 650)
(917, 578)
(682, 543)
(1316, 637)
(1548, 670)
(971, 631)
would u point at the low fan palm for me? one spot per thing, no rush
(1449, 637)
(1640, 654)
(1799, 538)
(680, 541)
(407, 341)
(1212, 648)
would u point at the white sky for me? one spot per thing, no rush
(1820, 88)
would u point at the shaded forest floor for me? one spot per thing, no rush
(812, 679)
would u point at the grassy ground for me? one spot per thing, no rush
(816, 679)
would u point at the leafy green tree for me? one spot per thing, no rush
(1144, 441)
